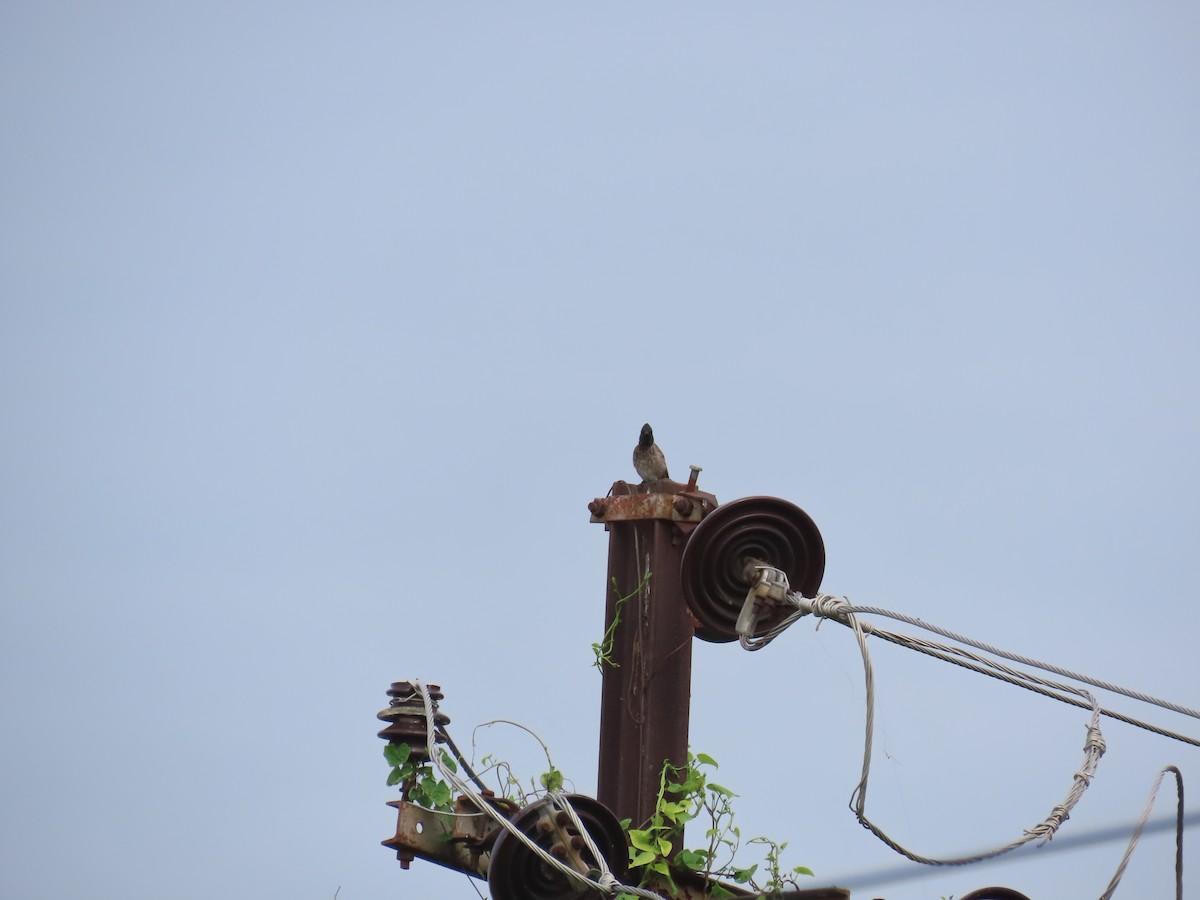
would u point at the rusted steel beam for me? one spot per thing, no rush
(461, 841)
(691, 886)
(646, 690)
(684, 507)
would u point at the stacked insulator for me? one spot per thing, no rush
(405, 716)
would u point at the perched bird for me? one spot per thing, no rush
(648, 459)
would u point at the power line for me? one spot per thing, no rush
(930, 649)
(772, 588)
(1102, 835)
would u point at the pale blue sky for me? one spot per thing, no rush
(320, 325)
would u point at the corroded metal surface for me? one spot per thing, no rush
(461, 842)
(665, 499)
(646, 688)
(517, 873)
(646, 685)
(694, 887)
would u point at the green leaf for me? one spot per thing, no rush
(719, 893)
(692, 860)
(394, 777)
(723, 791)
(449, 762)
(640, 857)
(802, 870)
(664, 846)
(741, 876)
(672, 810)
(552, 780)
(440, 794)
(396, 754)
(643, 840)
(706, 760)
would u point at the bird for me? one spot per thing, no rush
(648, 458)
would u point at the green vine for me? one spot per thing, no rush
(508, 785)
(685, 793)
(416, 778)
(420, 785)
(603, 648)
(777, 879)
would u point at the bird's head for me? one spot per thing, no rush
(647, 437)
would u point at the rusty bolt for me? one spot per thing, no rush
(696, 470)
(683, 506)
(598, 508)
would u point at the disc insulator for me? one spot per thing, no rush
(718, 562)
(517, 873)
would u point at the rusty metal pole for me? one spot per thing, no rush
(646, 689)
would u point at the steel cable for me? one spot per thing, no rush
(1137, 833)
(606, 883)
(1093, 747)
(1023, 660)
(842, 611)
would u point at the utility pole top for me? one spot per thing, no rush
(646, 663)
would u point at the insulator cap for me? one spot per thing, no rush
(405, 716)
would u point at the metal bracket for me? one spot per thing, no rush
(668, 500)
(770, 589)
(461, 840)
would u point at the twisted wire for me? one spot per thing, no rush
(606, 878)
(803, 608)
(607, 883)
(1137, 833)
(948, 654)
(832, 607)
(841, 610)
(1023, 660)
